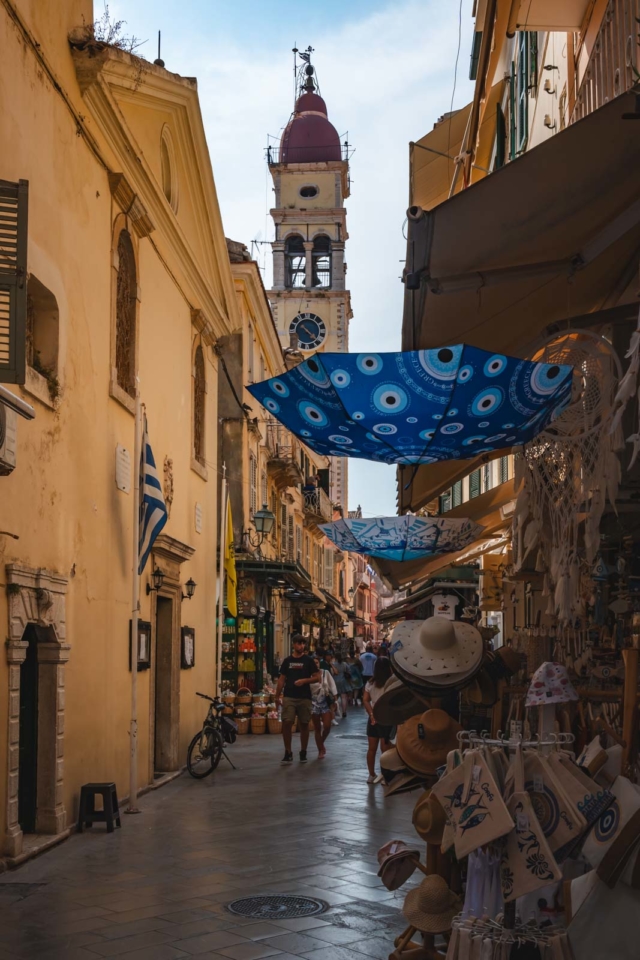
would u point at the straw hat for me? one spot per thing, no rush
(432, 906)
(482, 690)
(437, 646)
(511, 659)
(396, 704)
(397, 863)
(429, 819)
(397, 776)
(423, 742)
(435, 686)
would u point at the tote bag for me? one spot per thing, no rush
(623, 816)
(454, 759)
(590, 799)
(473, 804)
(561, 822)
(527, 861)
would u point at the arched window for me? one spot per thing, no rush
(294, 262)
(126, 294)
(168, 169)
(321, 256)
(199, 393)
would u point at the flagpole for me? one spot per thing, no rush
(135, 603)
(223, 553)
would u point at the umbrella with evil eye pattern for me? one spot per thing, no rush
(419, 406)
(401, 538)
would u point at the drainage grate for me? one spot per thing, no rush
(279, 907)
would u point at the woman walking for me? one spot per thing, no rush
(376, 732)
(355, 675)
(322, 697)
(341, 672)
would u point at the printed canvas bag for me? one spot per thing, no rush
(454, 759)
(473, 804)
(590, 799)
(527, 862)
(561, 822)
(624, 809)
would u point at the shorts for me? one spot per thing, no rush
(293, 707)
(379, 730)
(320, 706)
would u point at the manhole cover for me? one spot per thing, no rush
(277, 907)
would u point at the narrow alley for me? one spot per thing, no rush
(158, 888)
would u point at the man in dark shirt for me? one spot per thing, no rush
(297, 673)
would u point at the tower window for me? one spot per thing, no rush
(294, 262)
(321, 262)
(309, 191)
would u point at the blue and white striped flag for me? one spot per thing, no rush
(153, 512)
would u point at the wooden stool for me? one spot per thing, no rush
(88, 815)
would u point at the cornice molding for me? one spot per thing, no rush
(130, 204)
(108, 69)
(204, 327)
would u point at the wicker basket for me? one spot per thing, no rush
(275, 725)
(244, 711)
(243, 696)
(227, 711)
(258, 724)
(242, 724)
(260, 709)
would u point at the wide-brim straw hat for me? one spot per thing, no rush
(436, 647)
(432, 906)
(435, 686)
(429, 819)
(510, 658)
(423, 742)
(396, 704)
(404, 783)
(398, 862)
(482, 691)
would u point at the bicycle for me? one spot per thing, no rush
(207, 747)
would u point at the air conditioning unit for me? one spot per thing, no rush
(8, 439)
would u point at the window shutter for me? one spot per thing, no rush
(501, 137)
(474, 484)
(456, 494)
(445, 501)
(298, 543)
(504, 469)
(253, 484)
(487, 478)
(283, 529)
(328, 569)
(14, 201)
(291, 547)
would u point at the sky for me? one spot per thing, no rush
(386, 71)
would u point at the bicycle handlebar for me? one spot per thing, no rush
(206, 697)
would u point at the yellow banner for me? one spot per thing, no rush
(230, 565)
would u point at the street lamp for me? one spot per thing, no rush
(158, 579)
(263, 521)
(191, 589)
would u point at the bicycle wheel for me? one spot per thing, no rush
(200, 756)
(217, 746)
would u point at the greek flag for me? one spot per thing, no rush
(153, 512)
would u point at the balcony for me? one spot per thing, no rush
(613, 66)
(283, 464)
(317, 508)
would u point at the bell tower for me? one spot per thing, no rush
(310, 303)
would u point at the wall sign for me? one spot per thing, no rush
(187, 648)
(123, 469)
(144, 645)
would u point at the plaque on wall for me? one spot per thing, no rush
(144, 645)
(187, 648)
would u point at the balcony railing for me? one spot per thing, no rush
(614, 63)
(318, 506)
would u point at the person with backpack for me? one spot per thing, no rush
(323, 697)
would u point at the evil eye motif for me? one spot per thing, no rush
(390, 398)
(561, 407)
(305, 433)
(344, 429)
(507, 426)
(426, 434)
(272, 405)
(487, 401)
(465, 373)
(453, 412)
(313, 372)
(340, 378)
(485, 423)
(373, 437)
(358, 415)
(280, 388)
(607, 824)
(472, 441)
(412, 419)
(436, 416)
(312, 414)
(547, 377)
(338, 438)
(369, 363)
(442, 364)
(495, 365)
(452, 428)
(496, 437)
(413, 459)
(385, 429)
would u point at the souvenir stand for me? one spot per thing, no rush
(533, 821)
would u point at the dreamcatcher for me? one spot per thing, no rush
(566, 474)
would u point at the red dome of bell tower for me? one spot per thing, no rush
(309, 137)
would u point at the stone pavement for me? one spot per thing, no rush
(157, 888)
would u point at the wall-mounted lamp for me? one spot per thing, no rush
(263, 521)
(190, 586)
(158, 579)
(548, 88)
(549, 123)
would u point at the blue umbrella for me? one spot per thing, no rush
(420, 406)
(402, 538)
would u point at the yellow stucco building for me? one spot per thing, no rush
(128, 274)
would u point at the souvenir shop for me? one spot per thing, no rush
(515, 700)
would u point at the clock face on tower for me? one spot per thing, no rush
(310, 330)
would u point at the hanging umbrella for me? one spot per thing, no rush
(420, 406)
(402, 538)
